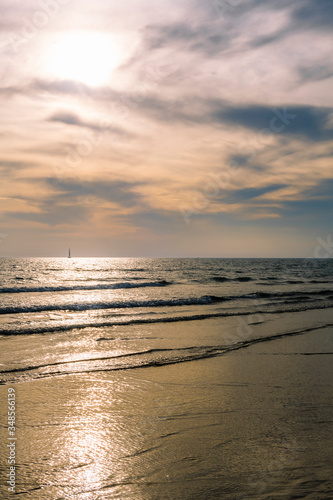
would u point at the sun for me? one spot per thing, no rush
(87, 57)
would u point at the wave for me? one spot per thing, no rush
(112, 269)
(115, 286)
(302, 282)
(166, 319)
(281, 297)
(298, 294)
(142, 359)
(294, 282)
(319, 281)
(206, 299)
(240, 279)
(244, 279)
(278, 281)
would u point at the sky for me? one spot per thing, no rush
(171, 128)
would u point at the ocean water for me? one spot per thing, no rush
(152, 379)
(64, 311)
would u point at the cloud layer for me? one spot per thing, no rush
(217, 124)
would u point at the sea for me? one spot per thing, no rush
(166, 379)
(76, 303)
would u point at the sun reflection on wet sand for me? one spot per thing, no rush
(91, 433)
(211, 428)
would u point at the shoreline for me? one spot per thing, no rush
(253, 423)
(122, 349)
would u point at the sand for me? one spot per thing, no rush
(251, 424)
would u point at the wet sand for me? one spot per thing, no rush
(251, 424)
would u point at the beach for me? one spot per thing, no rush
(254, 422)
(166, 244)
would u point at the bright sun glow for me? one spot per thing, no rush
(85, 57)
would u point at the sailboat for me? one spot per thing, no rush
(69, 253)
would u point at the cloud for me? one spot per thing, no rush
(314, 14)
(246, 194)
(198, 80)
(73, 201)
(8, 166)
(69, 118)
(315, 72)
(323, 190)
(51, 214)
(70, 87)
(304, 16)
(120, 192)
(38, 86)
(206, 39)
(305, 121)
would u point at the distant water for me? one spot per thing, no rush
(80, 301)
